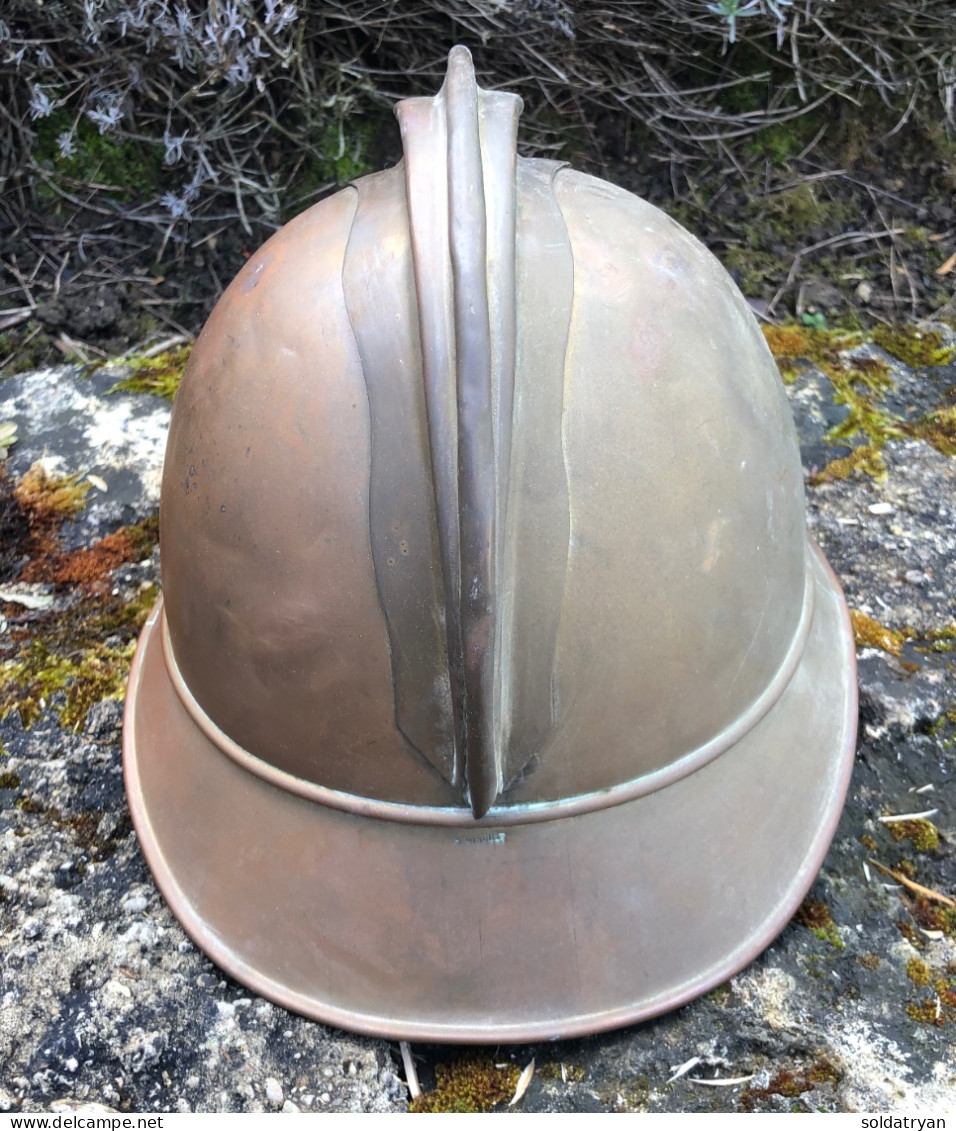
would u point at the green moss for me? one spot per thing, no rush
(52, 498)
(937, 428)
(926, 1013)
(779, 143)
(792, 1083)
(862, 383)
(939, 1010)
(753, 268)
(132, 168)
(914, 346)
(339, 153)
(869, 961)
(9, 780)
(31, 682)
(922, 834)
(918, 972)
(561, 1070)
(160, 375)
(67, 661)
(865, 460)
(869, 633)
(471, 1084)
(930, 916)
(720, 995)
(815, 915)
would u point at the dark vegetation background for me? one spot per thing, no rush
(148, 146)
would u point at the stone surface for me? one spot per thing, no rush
(107, 1006)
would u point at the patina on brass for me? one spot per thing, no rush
(497, 692)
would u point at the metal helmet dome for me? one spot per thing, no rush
(497, 692)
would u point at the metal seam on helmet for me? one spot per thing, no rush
(548, 810)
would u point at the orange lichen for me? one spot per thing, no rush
(89, 567)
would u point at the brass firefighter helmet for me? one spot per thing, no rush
(497, 692)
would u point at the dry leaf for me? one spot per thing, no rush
(947, 266)
(523, 1081)
(913, 885)
(30, 599)
(717, 1083)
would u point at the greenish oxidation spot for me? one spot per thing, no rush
(160, 375)
(921, 833)
(815, 915)
(471, 1084)
(66, 662)
(860, 383)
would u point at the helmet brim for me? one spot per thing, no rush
(522, 932)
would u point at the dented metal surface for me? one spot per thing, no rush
(485, 561)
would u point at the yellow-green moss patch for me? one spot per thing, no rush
(914, 346)
(471, 1084)
(922, 834)
(869, 633)
(815, 915)
(160, 375)
(918, 972)
(51, 499)
(936, 428)
(64, 659)
(860, 383)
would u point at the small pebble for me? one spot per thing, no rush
(880, 508)
(273, 1090)
(289, 1107)
(914, 577)
(864, 292)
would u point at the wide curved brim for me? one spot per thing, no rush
(496, 933)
